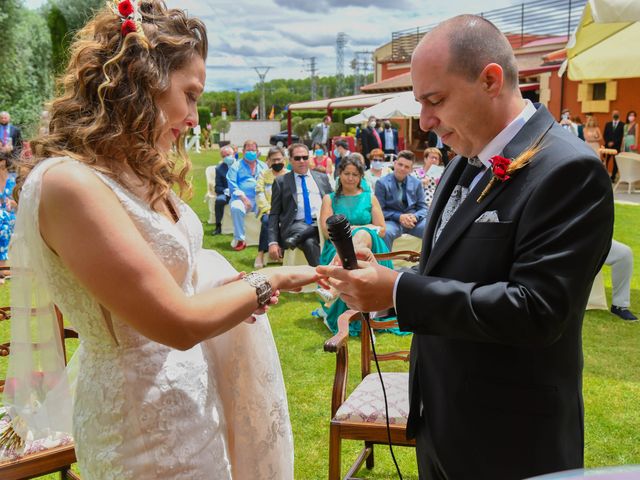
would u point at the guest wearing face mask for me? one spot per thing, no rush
(631, 131)
(370, 139)
(340, 151)
(242, 177)
(222, 186)
(276, 164)
(613, 134)
(378, 168)
(321, 162)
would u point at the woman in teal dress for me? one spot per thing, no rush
(7, 211)
(631, 136)
(367, 221)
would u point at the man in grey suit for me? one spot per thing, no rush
(296, 199)
(402, 199)
(320, 133)
(496, 308)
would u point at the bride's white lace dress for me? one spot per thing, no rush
(146, 411)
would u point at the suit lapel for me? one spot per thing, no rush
(537, 126)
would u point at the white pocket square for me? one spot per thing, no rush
(490, 216)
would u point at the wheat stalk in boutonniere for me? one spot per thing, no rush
(502, 169)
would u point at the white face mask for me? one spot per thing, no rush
(372, 124)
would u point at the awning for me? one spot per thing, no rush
(352, 101)
(400, 105)
(603, 45)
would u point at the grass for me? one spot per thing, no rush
(611, 373)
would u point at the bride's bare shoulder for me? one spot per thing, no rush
(67, 181)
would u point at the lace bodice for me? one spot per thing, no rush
(143, 410)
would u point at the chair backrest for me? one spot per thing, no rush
(628, 166)
(210, 174)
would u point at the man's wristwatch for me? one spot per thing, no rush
(262, 286)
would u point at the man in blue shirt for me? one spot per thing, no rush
(241, 177)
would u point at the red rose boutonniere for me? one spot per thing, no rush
(502, 169)
(125, 8)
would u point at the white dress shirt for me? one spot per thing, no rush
(388, 139)
(493, 148)
(314, 196)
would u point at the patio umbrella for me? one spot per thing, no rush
(604, 44)
(401, 105)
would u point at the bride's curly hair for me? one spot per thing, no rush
(106, 114)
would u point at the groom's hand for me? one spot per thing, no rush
(367, 289)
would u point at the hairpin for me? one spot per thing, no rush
(129, 13)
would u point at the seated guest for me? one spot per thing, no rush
(264, 185)
(429, 172)
(378, 168)
(401, 197)
(368, 228)
(620, 259)
(341, 150)
(321, 162)
(295, 205)
(222, 186)
(242, 177)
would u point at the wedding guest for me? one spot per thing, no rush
(401, 197)
(223, 195)
(10, 137)
(389, 138)
(620, 259)
(363, 212)
(321, 162)
(340, 151)
(242, 177)
(105, 238)
(577, 122)
(370, 138)
(429, 172)
(613, 136)
(264, 185)
(7, 211)
(378, 168)
(631, 137)
(295, 206)
(592, 134)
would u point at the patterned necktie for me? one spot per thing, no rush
(459, 193)
(306, 200)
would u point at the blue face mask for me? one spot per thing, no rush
(377, 165)
(250, 156)
(229, 159)
(336, 153)
(319, 153)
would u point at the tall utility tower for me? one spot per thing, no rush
(262, 73)
(311, 68)
(361, 65)
(341, 42)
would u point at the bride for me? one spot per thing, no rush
(168, 381)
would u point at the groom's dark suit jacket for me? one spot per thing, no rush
(496, 359)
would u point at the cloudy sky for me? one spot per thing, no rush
(282, 33)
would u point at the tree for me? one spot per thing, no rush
(77, 12)
(60, 39)
(223, 126)
(26, 79)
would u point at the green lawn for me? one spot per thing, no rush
(611, 376)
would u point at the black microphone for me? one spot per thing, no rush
(340, 235)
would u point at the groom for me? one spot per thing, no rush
(497, 307)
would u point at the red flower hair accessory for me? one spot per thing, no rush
(129, 13)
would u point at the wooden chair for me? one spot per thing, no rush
(361, 415)
(41, 461)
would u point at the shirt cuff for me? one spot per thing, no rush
(395, 289)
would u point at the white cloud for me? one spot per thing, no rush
(280, 33)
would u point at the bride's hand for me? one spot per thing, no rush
(291, 279)
(259, 311)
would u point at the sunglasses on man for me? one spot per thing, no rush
(299, 158)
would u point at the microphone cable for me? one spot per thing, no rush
(340, 235)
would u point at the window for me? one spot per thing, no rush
(599, 91)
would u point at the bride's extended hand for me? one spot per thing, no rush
(291, 279)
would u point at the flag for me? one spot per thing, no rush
(272, 115)
(255, 112)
